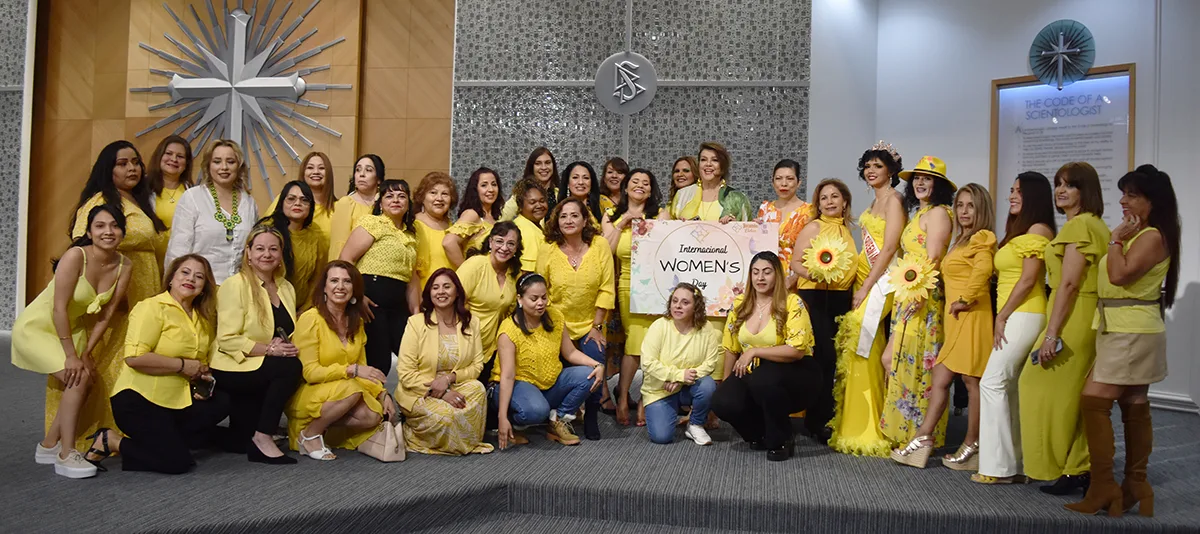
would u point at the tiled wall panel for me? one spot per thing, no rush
(12, 78)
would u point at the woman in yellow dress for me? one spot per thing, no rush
(341, 397)
(443, 402)
(489, 282)
(684, 172)
(917, 333)
(769, 371)
(434, 200)
(827, 299)
(305, 245)
(116, 179)
(858, 389)
(254, 360)
(51, 336)
(967, 320)
(789, 210)
(158, 399)
(384, 249)
(533, 211)
(169, 174)
(480, 209)
(640, 200)
(318, 175)
(1138, 279)
(543, 169)
(578, 264)
(369, 173)
(579, 182)
(1052, 436)
(1021, 315)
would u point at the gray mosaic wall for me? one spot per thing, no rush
(12, 76)
(732, 72)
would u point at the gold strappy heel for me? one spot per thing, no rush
(915, 454)
(965, 459)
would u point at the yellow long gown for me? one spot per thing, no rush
(910, 380)
(1052, 436)
(858, 388)
(635, 324)
(144, 281)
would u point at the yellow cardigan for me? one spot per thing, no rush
(418, 359)
(239, 326)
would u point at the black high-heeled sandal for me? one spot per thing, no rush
(102, 435)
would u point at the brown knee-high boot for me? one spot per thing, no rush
(1104, 493)
(1139, 441)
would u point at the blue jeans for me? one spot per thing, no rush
(531, 406)
(592, 348)
(661, 414)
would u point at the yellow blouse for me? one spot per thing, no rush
(418, 359)
(164, 203)
(394, 252)
(431, 255)
(159, 325)
(532, 243)
(666, 354)
(1090, 236)
(833, 227)
(797, 331)
(710, 211)
(473, 234)
(323, 354)
(322, 218)
(1145, 319)
(486, 299)
(1009, 263)
(967, 268)
(538, 354)
(309, 249)
(241, 322)
(346, 213)
(578, 292)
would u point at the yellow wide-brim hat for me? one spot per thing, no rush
(931, 166)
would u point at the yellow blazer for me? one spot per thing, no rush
(239, 325)
(418, 360)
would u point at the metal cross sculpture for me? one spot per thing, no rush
(236, 84)
(1060, 54)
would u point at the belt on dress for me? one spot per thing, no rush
(1101, 304)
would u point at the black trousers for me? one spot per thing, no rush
(257, 397)
(758, 405)
(825, 306)
(160, 439)
(391, 317)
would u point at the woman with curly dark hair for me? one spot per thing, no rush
(479, 210)
(679, 355)
(489, 278)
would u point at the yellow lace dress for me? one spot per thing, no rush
(144, 280)
(915, 351)
(433, 426)
(858, 388)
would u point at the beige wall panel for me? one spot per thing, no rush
(386, 33)
(386, 138)
(385, 93)
(432, 42)
(428, 144)
(429, 93)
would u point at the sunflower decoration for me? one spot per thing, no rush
(828, 259)
(914, 278)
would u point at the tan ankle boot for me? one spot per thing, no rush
(1104, 493)
(1139, 441)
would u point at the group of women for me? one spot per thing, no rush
(511, 311)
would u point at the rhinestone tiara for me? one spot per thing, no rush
(886, 147)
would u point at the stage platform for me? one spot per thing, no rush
(620, 484)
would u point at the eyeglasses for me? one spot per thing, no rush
(291, 199)
(499, 243)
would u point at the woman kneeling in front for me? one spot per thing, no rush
(530, 385)
(679, 353)
(768, 373)
(440, 358)
(339, 389)
(167, 346)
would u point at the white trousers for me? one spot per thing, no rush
(999, 415)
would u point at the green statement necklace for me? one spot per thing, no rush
(227, 222)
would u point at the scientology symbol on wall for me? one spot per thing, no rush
(626, 83)
(237, 81)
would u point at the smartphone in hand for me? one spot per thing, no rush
(1033, 356)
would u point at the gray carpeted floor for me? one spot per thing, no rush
(620, 484)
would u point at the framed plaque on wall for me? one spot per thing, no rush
(1037, 127)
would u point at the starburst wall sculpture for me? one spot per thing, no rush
(239, 83)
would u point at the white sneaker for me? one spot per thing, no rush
(44, 456)
(698, 434)
(74, 466)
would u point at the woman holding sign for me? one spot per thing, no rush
(578, 264)
(711, 199)
(640, 197)
(858, 391)
(825, 270)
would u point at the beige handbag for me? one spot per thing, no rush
(387, 443)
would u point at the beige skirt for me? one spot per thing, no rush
(1124, 359)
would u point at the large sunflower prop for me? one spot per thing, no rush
(913, 278)
(828, 259)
